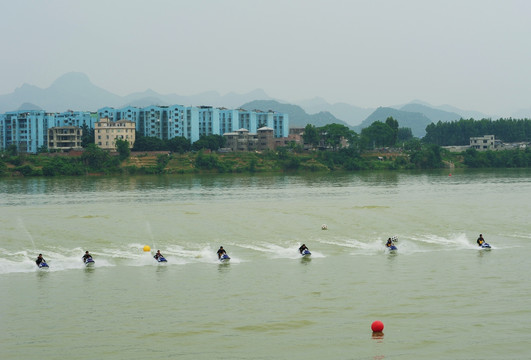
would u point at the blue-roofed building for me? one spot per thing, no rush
(76, 118)
(26, 129)
(208, 121)
(109, 113)
(154, 121)
(191, 123)
(29, 129)
(228, 120)
(176, 114)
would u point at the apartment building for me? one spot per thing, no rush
(192, 122)
(64, 138)
(244, 140)
(106, 133)
(28, 130)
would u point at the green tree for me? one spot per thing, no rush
(122, 146)
(404, 134)
(429, 157)
(87, 136)
(393, 124)
(148, 143)
(334, 133)
(95, 157)
(12, 150)
(311, 135)
(179, 144)
(212, 142)
(376, 135)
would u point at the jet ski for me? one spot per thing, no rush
(224, 258)
(392, 247)
(89, 262)
(306, 253)
(485, 245)
(43, 265)
(160, 259)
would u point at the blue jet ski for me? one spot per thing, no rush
(224, 258)
(391, 247)
(485, 245)
(160, 259)
(306, 253)
(43, 265)
(89, 262)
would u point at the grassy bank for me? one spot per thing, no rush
(101, 162)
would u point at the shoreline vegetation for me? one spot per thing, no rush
(96, 162)
(330, 148)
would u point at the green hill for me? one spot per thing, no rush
(417, 122)
(434, 115)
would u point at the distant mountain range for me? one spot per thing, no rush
(416, 121)
(74, 91)
(350, 114)
(297, 116)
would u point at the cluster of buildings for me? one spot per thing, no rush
(32, 130)
(484, 143)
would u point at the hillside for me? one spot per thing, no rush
(417, 122)
(350, 114)
(431, 113)
(297, 116)
(75, 91)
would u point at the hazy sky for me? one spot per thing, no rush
(473, 54)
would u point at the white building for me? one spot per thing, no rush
(482, 143)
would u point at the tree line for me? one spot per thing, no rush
(455, 133)
(378, 134)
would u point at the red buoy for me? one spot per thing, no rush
(377, 326)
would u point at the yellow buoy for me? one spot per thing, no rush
(147, 248)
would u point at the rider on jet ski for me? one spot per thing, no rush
(480, 240)
(221, 252)
(86, 256)
(40, 260)
(303, 247)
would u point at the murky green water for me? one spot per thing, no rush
(439, 296)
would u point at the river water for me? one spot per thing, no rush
(439, 296)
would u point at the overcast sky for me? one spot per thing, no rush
(473, 54)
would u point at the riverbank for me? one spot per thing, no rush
(99, 162)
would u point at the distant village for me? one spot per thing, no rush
(244, 130)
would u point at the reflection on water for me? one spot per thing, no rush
(305, 260)
(223, 267)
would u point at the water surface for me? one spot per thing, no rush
(439, 296)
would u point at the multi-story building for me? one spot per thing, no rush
(243, 140)
(107, 132)
(176, 115)
(108, 113)
(27, 130)
(64, 138)
(76, 118)
(481, 143)
(228, 120)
